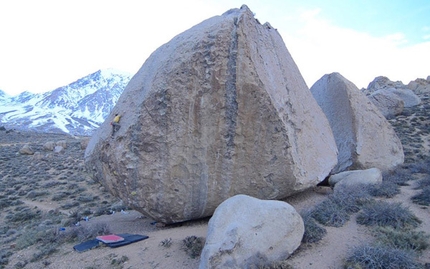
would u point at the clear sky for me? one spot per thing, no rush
(46, 44)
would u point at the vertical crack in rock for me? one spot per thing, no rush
(231, 110)
(231, 94)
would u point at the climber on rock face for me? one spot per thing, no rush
(115, 124)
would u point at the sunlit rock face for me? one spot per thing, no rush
(364, 137)
(220, 110)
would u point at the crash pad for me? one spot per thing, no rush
(87, 245)
(111, 238)
(128, 239)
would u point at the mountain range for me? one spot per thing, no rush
(76, 109)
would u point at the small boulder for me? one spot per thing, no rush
(62, 143)
(26, 150)
(84, 142)
(50, 145)
(246, 231)
(58, 149)
(356, 177)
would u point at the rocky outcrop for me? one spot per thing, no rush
(220, 110)
(387, 102)
(364, 138)
(246, 231)
(26, 150)
(382, 85)
(420, 85)
(49, 146)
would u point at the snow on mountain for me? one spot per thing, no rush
(78, 108)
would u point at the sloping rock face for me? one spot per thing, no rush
(364, 138)
(245, 231)
(387, 102)
(220, 110)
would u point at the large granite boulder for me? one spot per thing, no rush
(364, 137)
(220, 110)
(246, 231)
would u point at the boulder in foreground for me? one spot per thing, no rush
(246, 231)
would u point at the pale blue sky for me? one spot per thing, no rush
(46, 44)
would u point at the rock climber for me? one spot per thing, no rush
(115, 124)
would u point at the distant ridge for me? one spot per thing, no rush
(77, 109)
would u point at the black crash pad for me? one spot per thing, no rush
(87, 245)
(128, 239)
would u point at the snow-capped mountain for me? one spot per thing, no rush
(78, 108)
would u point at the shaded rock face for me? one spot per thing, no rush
(364, 138)
(245, 231)
(220, 110)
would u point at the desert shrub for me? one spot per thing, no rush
(43, 252)
(329, 213)
(387, 214)
(379, 257)
(193, 245)
(117, 262)
(313, 231)
(398, 176)
(51, 184)
(70, 205)
(82, 233)
(85, 198)
(23, 215)
(60, 196)
(335, 211)
(167, 243)
(21, 264)
(4, 202)
(75, 215)
(423, 183)
(422, 198)
(27, 238)
(402, 239)
(33, 194)
(419, 167)
(102, 210)
(4, 256)
(385, 189)
(351, 199)
(272, 265)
